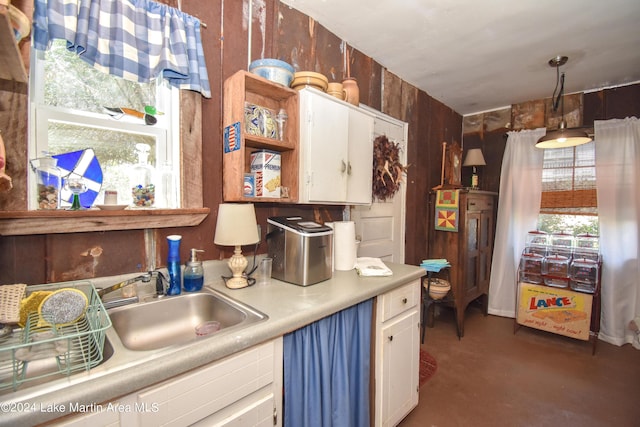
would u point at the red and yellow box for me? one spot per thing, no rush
(555, 310)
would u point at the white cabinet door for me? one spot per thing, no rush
(232, 388)
(101, 417)
(242, 389)
(360, 158)
(400, 372)
(397, 360)
(336, 150)
(324, 131)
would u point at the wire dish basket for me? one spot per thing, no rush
(43, 349)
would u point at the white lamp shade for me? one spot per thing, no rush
(474, 158)
(236, 225)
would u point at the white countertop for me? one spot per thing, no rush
(287, 306)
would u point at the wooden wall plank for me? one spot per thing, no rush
(622, 102)
(23, 259)
(528, 115)
(293, 42)
(191, 152)
(210, 124)
(13, 125)
(497, 120)
(86, 255)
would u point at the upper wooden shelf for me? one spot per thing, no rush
(239, 89)
(16, 223)
(11, 65)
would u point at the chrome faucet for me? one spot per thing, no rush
(161, 289)
(145, 278)
(162, 284)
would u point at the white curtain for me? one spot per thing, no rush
(518, 207)
(618, 185)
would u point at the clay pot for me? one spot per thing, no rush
(302, 79)
(352, 92)
(336, 89)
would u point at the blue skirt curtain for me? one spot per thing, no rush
(326, 370)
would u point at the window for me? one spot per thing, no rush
(569, 200)
(68, 114)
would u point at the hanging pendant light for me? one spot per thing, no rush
(563, 137)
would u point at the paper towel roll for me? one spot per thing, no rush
(333, 246)
(344, 238)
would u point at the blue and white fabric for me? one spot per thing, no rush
(138, 40)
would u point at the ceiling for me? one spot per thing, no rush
(476, 56)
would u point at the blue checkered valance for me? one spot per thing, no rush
(138, 40)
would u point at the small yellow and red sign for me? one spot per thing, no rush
(561, 311)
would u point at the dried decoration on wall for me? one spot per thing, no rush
(387, 169)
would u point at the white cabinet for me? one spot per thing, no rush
(397, 354)
(244, 389)
(336, 150)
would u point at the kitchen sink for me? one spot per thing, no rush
(172, 320)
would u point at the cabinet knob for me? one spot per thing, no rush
(404, 300)
(344, 166)
(349, 169)
(390, 337)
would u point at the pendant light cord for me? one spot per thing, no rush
(560, 81)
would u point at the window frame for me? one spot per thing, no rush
(166, 131)
(569, 202)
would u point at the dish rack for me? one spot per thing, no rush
(40, 350)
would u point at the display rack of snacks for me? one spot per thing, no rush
(559, 285)
(259, 116)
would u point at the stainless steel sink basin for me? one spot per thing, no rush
(173, 320)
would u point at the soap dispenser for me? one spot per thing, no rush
(193, 273)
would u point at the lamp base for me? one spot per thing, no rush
(237, 283)
(474, 181)
(237, 264)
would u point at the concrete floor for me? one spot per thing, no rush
(492, 377)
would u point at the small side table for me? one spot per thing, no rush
(428, 302)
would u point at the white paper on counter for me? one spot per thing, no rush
(366, 266)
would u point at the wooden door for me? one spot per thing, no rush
(380, 227)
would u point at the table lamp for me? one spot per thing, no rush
(474, 158)
(236, 226)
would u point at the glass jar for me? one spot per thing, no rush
(587, 244)
(562, 243)
(167, 193)
(531, 267)
(143, 189)
(584, 275)
(537, 242)
(48, 182)
(555, 269)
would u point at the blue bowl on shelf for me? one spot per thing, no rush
(274, 70)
